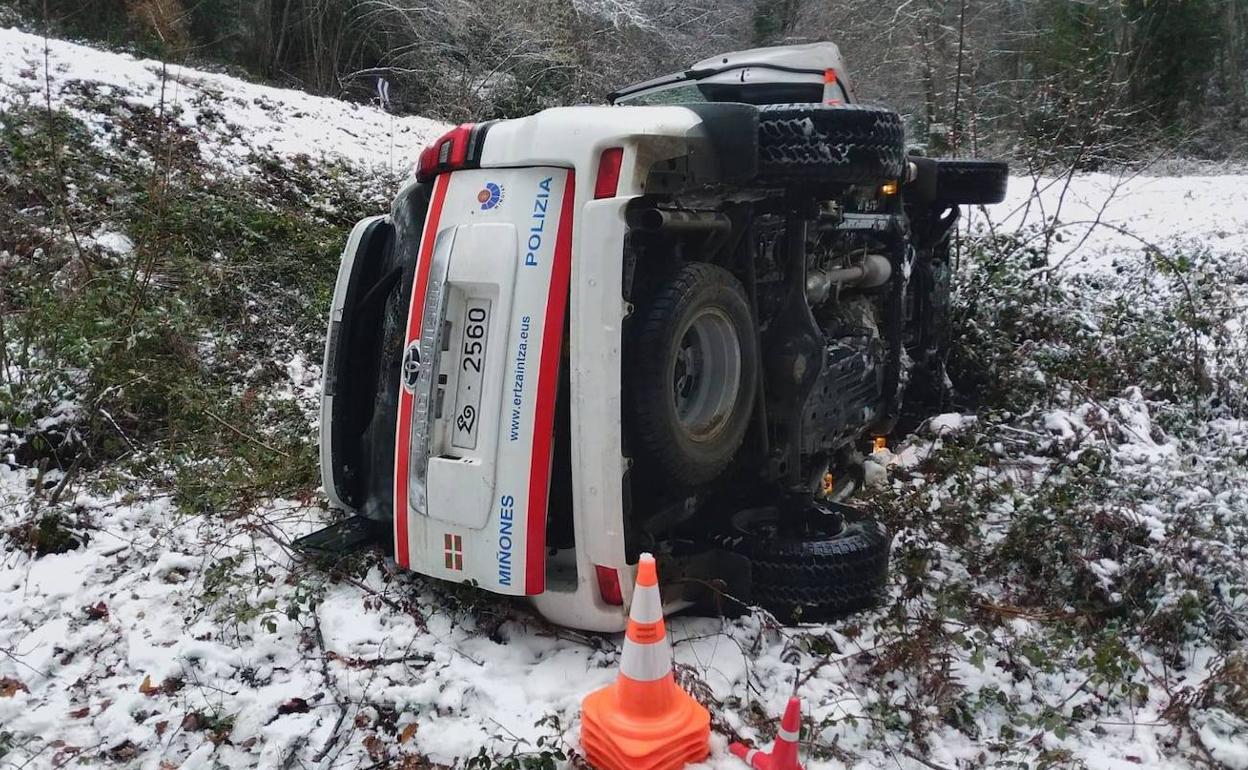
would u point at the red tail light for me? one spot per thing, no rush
(608, 180)
(609, 585)
(456, 149)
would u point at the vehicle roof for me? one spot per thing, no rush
(800, 59)
(804, 57)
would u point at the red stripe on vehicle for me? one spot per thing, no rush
(415, 316)
(547, 392)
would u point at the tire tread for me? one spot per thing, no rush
(971, 181)
(817, 578)
(847, 144)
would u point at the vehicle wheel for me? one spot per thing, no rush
(849, 144)
(812, 563)
(694, 369)
(928, 393)
(927, 388)
(971, 181)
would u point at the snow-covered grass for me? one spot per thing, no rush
(1069, 587)
(251, 117)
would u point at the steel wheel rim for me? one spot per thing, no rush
(706, 374)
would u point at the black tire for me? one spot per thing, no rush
(971, 182)
(818, 563)
(927, 389)
(676, 443)
(848, 144)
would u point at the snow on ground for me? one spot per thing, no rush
(1099, 216)
(168, 639)
(136, 648)
(285, 121)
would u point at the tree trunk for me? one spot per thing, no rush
(1234, 55)
(279, 48)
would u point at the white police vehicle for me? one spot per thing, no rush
(669, 324)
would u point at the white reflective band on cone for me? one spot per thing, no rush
(749, 756)
(786, 735)
(646, 662)
(647, 605)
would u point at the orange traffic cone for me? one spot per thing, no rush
(644, 721)
(831, 91)
(783, 755)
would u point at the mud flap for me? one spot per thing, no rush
(343, 537)
(715, 582)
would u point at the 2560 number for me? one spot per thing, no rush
(474, 339)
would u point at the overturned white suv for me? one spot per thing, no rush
(671, 324)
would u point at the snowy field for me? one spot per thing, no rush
(173, 640)
(1102, 216)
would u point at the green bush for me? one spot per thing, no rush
(161, 361)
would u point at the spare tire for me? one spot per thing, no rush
(819, 561)
(971, 182)
(693, 372)
(846, 144)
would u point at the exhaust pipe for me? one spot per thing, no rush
(669, 220)
(874, 271)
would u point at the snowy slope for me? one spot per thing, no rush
(113, 654)
(287, 122)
